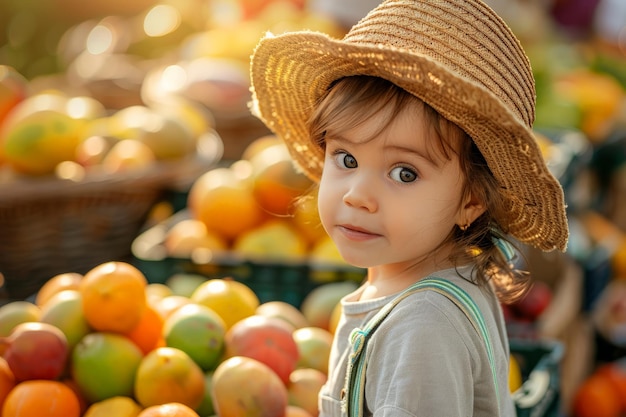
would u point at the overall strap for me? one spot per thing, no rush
(354, 389)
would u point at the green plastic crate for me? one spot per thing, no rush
(539, 362)
(288, 281)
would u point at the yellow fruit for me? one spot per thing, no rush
(515, 374)
(276, 239)
(230, 299)
(118, 406)
(224, 202)
(189, 236)
(128, 155)
(38, 142)
(169, 375)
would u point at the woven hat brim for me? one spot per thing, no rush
(292, 71)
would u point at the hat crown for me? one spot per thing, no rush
(466, 36)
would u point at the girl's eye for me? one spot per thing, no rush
(345, 160)
(403, 174)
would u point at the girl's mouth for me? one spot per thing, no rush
(356, 233)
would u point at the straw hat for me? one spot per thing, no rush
(457, 56)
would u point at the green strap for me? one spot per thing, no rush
(354, 389)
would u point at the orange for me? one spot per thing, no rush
(41, 398)
(147, 333)
(230, 299)
(168, 410)
(596, 397)
(60, 282)
(224, 202)
(276, 181)
(113, 296)
(7, 381)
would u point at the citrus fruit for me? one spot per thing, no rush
(169, 375)
(168, 410)
(224, 202)
(64, 310)
(147, 333)
(276, 239)
(17, 312)
(596, 397)
(230, 299)
(7, 381)
(41, 398)
(113, 296)
(199, 332)
(60, 282)
(115, 406)
(104, 365)
(276, 181)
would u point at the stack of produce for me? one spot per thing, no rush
(110, 343)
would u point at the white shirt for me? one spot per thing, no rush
(425, 359)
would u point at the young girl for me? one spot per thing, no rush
(418, 127)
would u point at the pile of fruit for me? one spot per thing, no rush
(108, 343)
(72, 136)
(259, 207)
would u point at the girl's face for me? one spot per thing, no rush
(393, 199)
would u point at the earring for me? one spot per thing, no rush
(464, 227)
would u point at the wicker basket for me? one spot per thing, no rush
(50, 226)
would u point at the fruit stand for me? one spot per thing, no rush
(148, 180)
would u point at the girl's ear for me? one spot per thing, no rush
(471, 209)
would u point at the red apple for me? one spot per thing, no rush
(268, 340)
(35, 350)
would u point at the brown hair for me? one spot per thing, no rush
(352, 100)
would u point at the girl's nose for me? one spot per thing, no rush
(361, 194)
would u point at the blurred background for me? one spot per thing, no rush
(83, 75)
